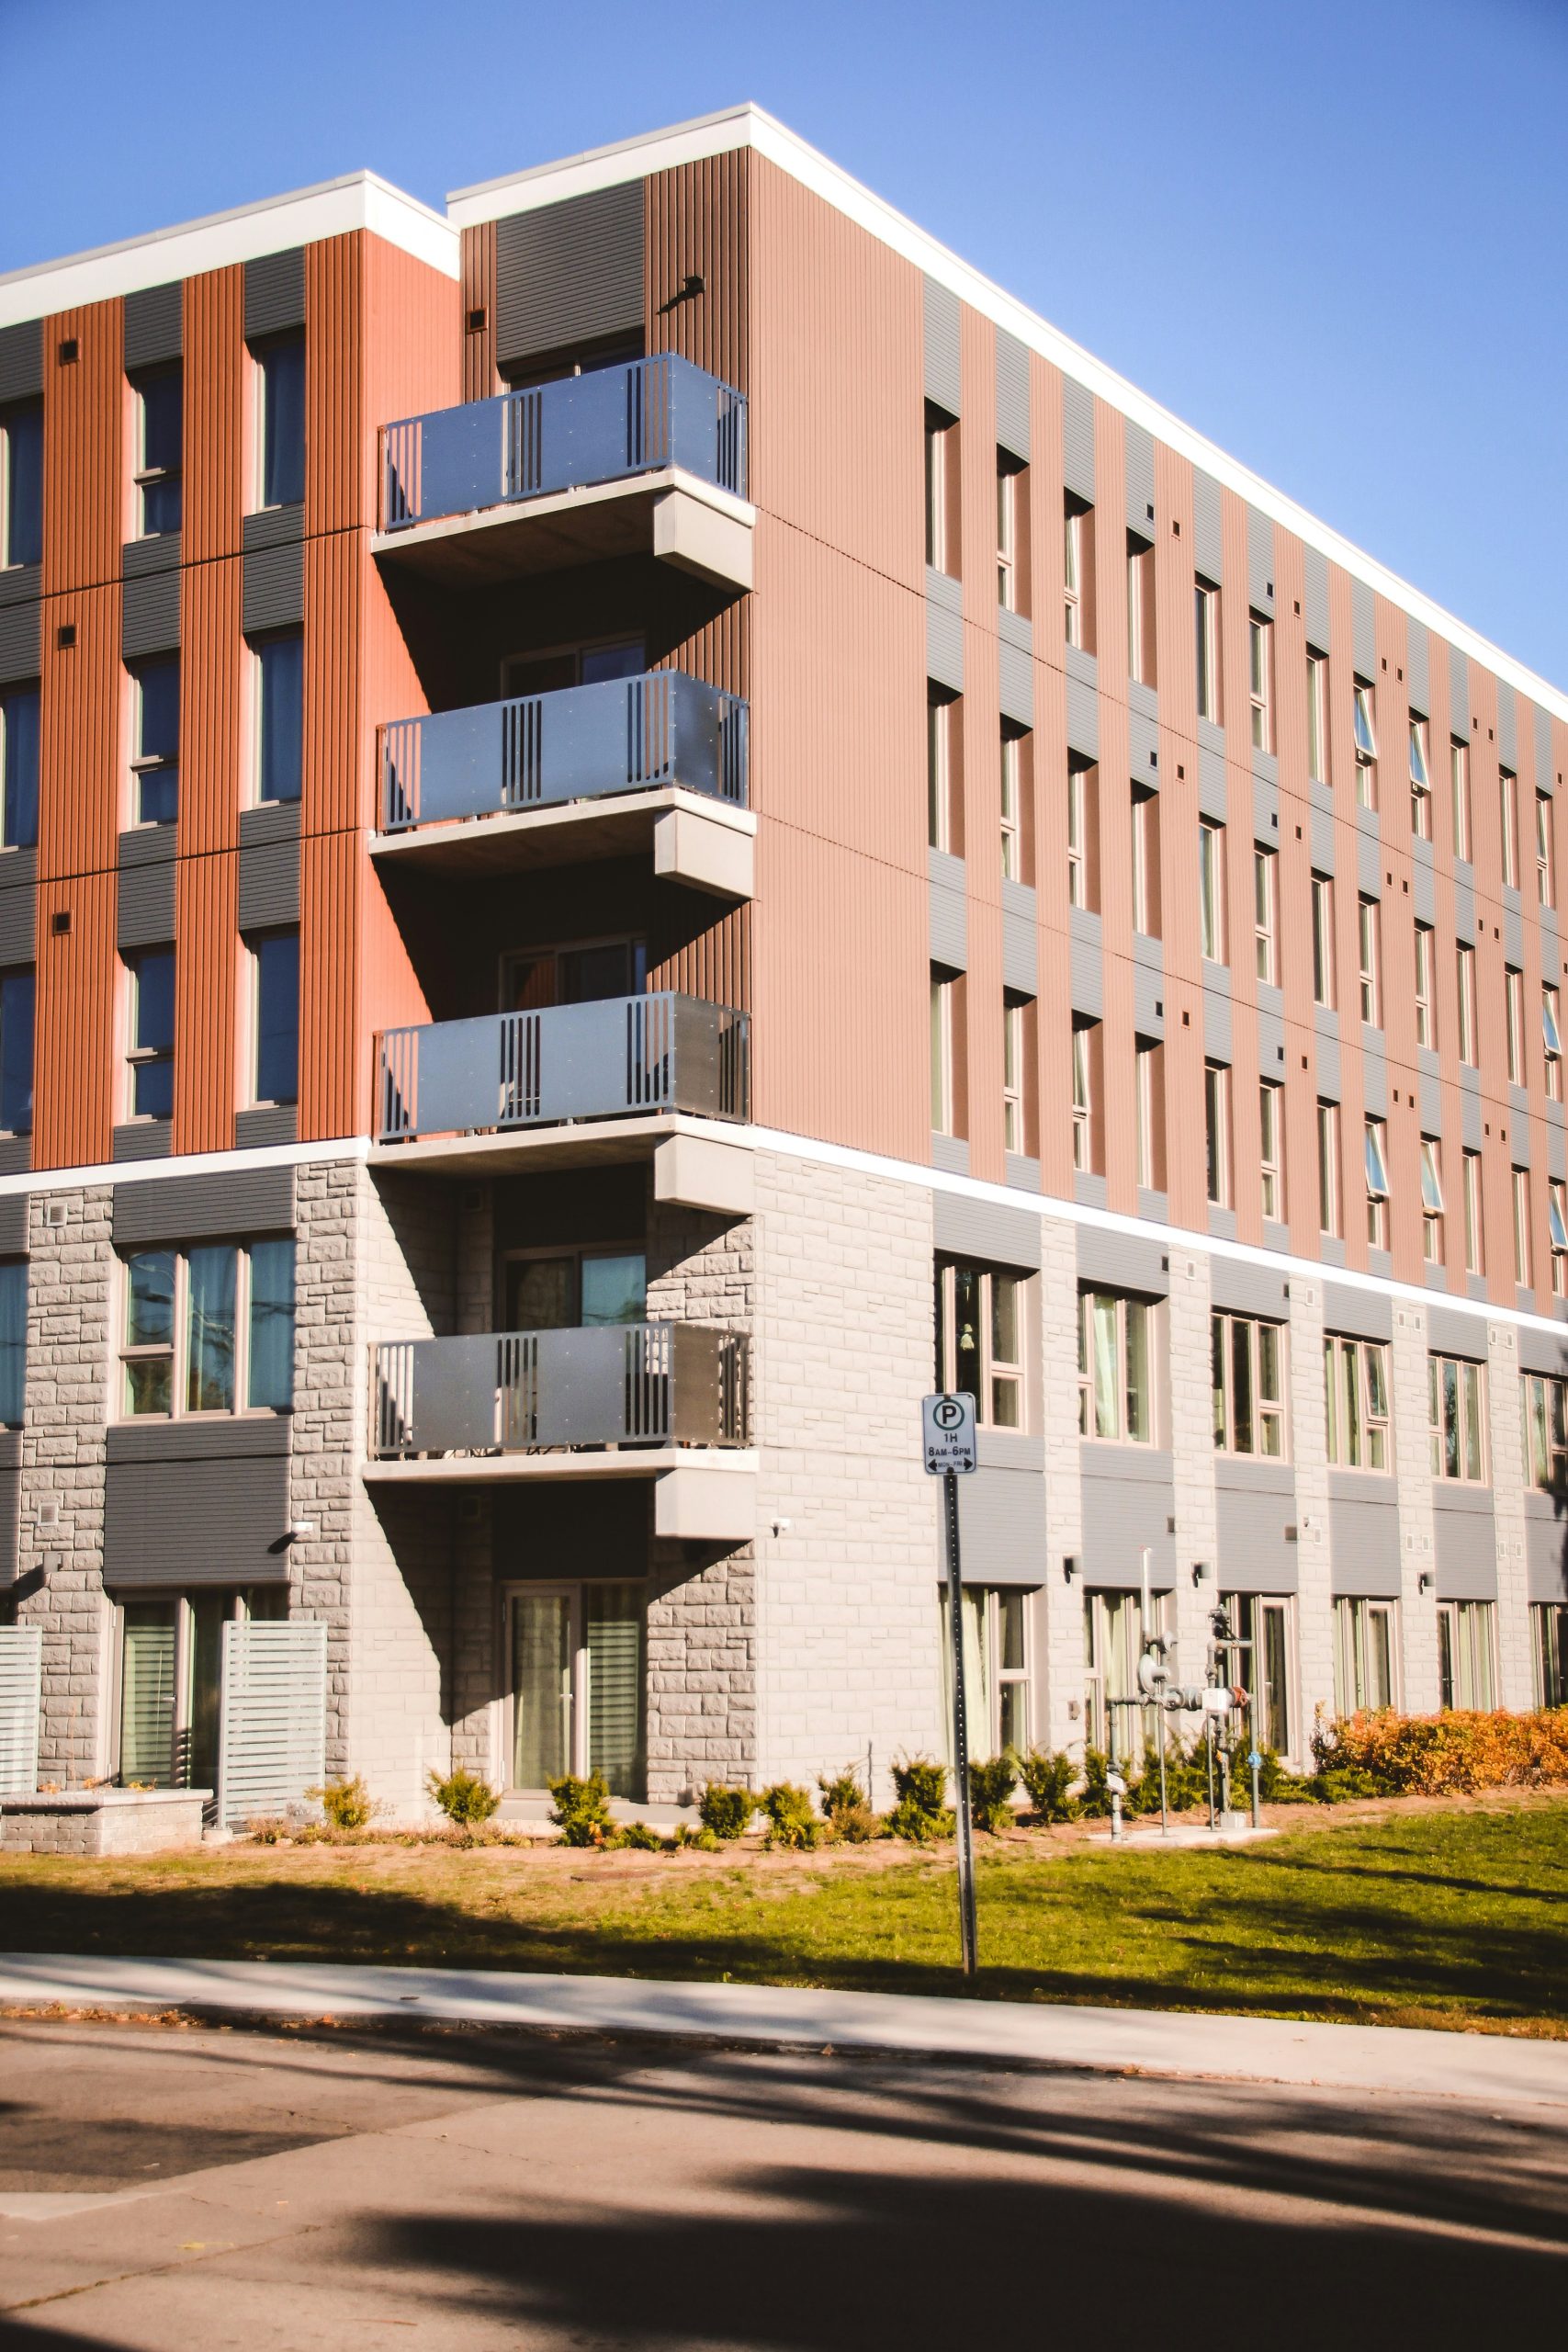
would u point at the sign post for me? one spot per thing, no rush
(948, 1426)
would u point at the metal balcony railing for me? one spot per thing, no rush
(636, 1384)
(629, 735)
(606, 1059)
(599, 427)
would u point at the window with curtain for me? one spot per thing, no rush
(615, 1617)
(1116, 1367)
(207, 1329)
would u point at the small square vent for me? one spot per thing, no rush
(54, 1212)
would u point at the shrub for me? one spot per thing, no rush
(347, 1804)
(1048, 1776)
(580, 1809)
(701, 1841)
(462, 1796)
(641, 1835)
(848, 1814)
(1386, 1754)
(792, 1817)
(991, 1785)
(726, 1811)
(920, 1814)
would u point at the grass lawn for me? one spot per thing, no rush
(1448, 1917)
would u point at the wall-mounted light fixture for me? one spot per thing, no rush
(1424, 1581)
(1200, 1572)
(1069, 1570)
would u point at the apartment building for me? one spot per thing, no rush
(642, 819)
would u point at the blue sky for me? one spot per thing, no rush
(1329, 235)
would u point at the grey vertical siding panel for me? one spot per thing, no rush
(1083, 718)
(1003, 1525)
(1363, 1537)
(1217, 1024)
(1464, 1545)
(145, 912)
(1327, 1058)
(272, 593)
(21, 360)
(153, 324)
(1545, 773)
(1020, 939)
(1213, 788)
(1260, 560)
(1360, 1313)
(943, 372)
(1374, 1079)
(944, 646)
(18, 906)
(1418, 682)
(1314, 603)
(1431, 1093)
(1128, 1502)
(949, 912)
(1322, 839)
(1015, 681)
(1087, 964)
(274, 293)
(149, 614)
(569, 273)
(1077, 439)
(971, 1228)
(269, 885)
(197, 1522)
(20, 641)
(1508, 736)
(14, 1225)
(1547, 1567)
(1208, 537)
(187, 1208)
(1012, 394)
(1459, 697)
(1364, 634)
(1254, 1553)
(1464, 912)
(1139, 445)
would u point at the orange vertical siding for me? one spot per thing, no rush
(695, 224)
(77, 1049)
(481, 378)
(84, 433)
(214, 321)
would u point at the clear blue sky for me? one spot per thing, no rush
(1333, 234)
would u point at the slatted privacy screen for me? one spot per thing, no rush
(271, 1745)
(21, 1685)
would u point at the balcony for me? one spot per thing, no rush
(644, 459)
(657, 762)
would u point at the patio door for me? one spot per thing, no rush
(577, 1659)
(543, 1646)
(170, 1688)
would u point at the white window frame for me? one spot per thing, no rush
(1459, 796)
(1011, 766)
(1551, 1038)
(1514, 1019)
(993, 1376)
(1467, 1656)
(1081, 809)
(1474, 1214)
(1420, 782)
(1083, 1097)
(143, 476)
(1213, 942)
(1545, 853)
(987, 1713)
(1364, 727)
(1432, 1206)
(942, 1054)
(1012, 1075)
(1317, 718)
(1218, 1160)
(1375, 1153)
(1271, 1148)
(1259, 1340)
(176, 1353)
(1072, 535)
(1006, 533)
(1261, 680)
(1464, 975)
(1206, 634)
(1330, 1219)
(1266, 914)
(1358, 1403)
(1136, 1411)
(1543, 1403)
(1467, 1423)
(1369, 960)
(1509, 806)
(1324, 990)
(1354, 1619)
(1426, 987)
(1140, 646)
(1146, 1053)
(937, 428)
(1522, 1256)
(1144, 812)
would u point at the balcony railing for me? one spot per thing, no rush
(601, 427)
(616, 1056)
(581, 743)
(636, 1384)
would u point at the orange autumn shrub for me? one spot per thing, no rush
(1447, 1754)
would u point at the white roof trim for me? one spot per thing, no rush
(716, 134)
(361, 200)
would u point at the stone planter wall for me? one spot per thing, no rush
(103, 1820)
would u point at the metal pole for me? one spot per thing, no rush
(1214, 1818)
(960, 1730)
(1254, 1760)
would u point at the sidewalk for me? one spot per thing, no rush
(1488, 2067)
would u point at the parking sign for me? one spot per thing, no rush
(948, 1426)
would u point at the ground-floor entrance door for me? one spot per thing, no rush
(576, 1680)
(170, 1681)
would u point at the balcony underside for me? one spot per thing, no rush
(691, 837)
(702, 1494)
(697, 1163)
(669, 514)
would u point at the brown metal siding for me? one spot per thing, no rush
(215, 388)
(481, 380)
(84, 426)
(78, 1041)
(695, 224)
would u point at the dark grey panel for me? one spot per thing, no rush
(139, 556)
(13, 1225)
(1221, 1224)
(146, 845)
(943, 374)
(1139, 444)
(142, 1139)
(18, 906)
(16, 1155)
(271, 587)
(1077, 439)
(149, 614)
(21, 583)
(1464, 907)
(1453, 1333)
(971, 1228)
(21, 360)
(1001, 1526)
(196, 1522)
(10, 1499)
(1244, 1289)
(1256, 1555)
(274, 293)
(181, 1208)
(1315, 602)
(274, 526)
(146, 912)
(1364, 1540)
(1260, 560)
(1128, 1501)
(569, 273)
(1122, 1261)
(269, 885)
(1363, 637)
(1465, 1546)
(1546, 1550)
(1012, 394)
(1208, 537)
(949, 911)
(249, 1436)
(1507, 730)
(1417, 677)
(20, 641)
(278, 821)
(273, 1123)
(154, 324)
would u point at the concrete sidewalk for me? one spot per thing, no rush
(1488, 2067)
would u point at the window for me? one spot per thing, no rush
(280, 420)
(1465, 1678)
(1545, 859)
(1509, 800)
(1083, 833)
(995, 1641)
(1368, 964)
(1260, 681)
(1544, 1398)
(1458, 793)
(943, 1100)
(1557, 1231)
(1116, 1360)
(1355, 1394)
(278, 681)
(155, 765)
(1425, 989)
(1431, 1200)
(1456, 1391)
(1113, 1642)
(1420, 782)
(1365, 1655)
(152, 1052)
(1464, 967)
(1551, 1623)
(1474, 1233)
(1087, 1160)
(1551, 1041)
(275, 1022)
(1514, 1011)
(577, 1657)
(1211, 890)
(18, 766)
(1328, 1167)
(1267, 1628)
(1323, 939)
(1078, 572)
(979, 1340)
(16, 1002)
(1317, 716)
(1012, 805)
(1140, 610)
(1366, 747)
(1521, 1189)
(1376, 1154)
(1149, 1079)
(575, 1290)
(21, 483)
(159, 403)
(1248, 1378)
(13, 1343)
(1265, 916)
(1012, 525)
(1217, 1133)
(1271, 1142)
(169, 1680)
(1206, 623)
(208, 1330)
(1017, 1107)
(1146, 862)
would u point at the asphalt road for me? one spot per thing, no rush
(184, 2189)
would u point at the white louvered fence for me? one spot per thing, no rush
(21, 1680)
(274, 1718)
